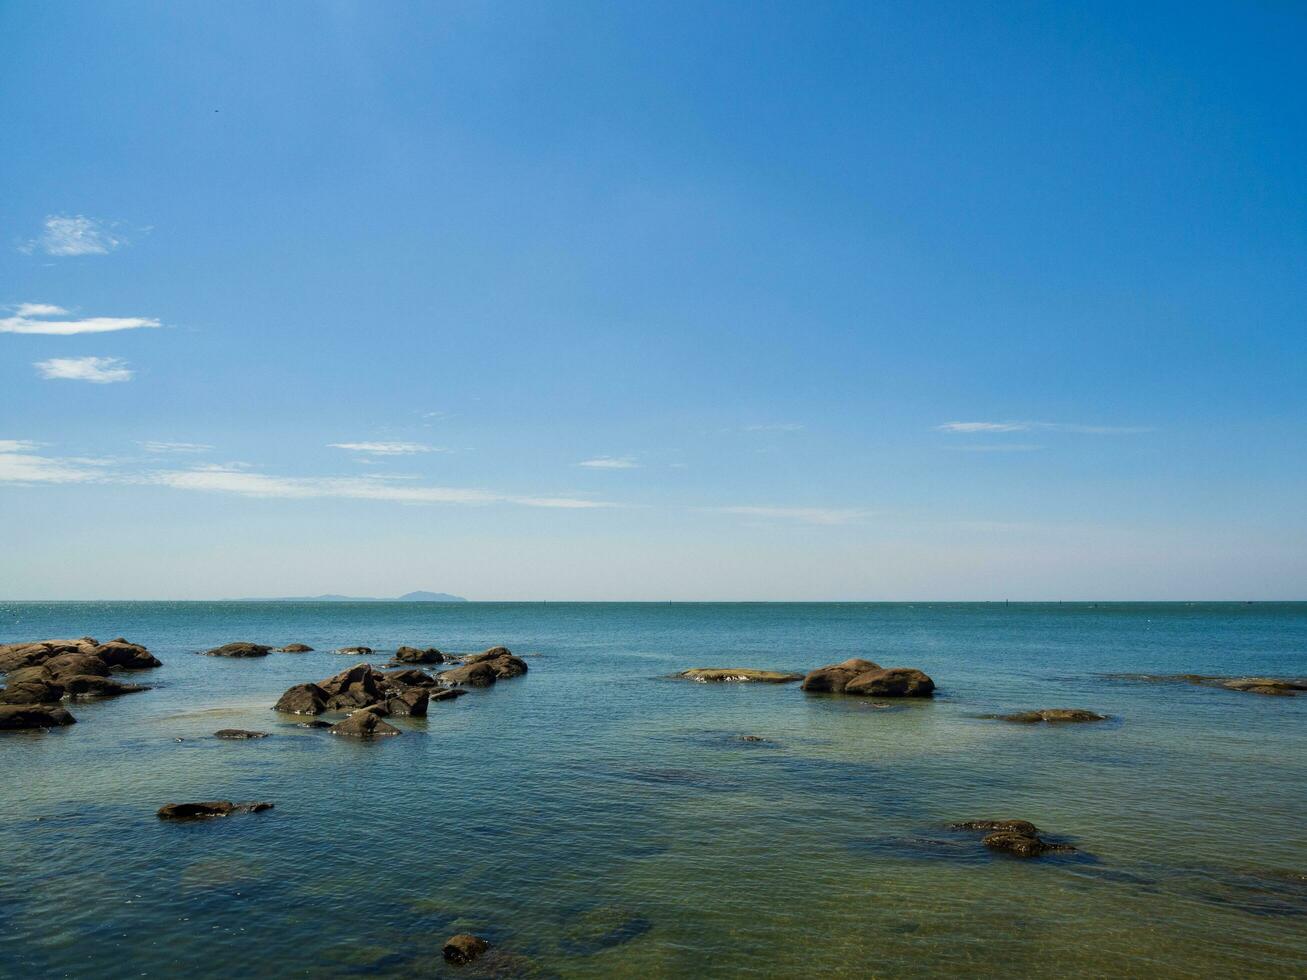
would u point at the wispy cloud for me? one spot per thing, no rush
(40, 318)
(21, 464)
(160, 448)
(610, 463)
(244, 482)
(64, 235)
(98, 370)
(386, 448)
(1098, 430)
(802, 515)
(999, 447)
(775, 427)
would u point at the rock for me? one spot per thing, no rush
(31, 690)
(411, 703)
(494, 653)
(363, 724)
(892, 682)
(410, 677)
(238, 733)
(91, 686)
(412, 655)
(1012, 826)
(447, 694)
(313, 724)
(471, 675)
(1055, 716)
(713, 675)
(239, 650)
(121, 655)
(1273, 686)
(833, 679)
(303, 699)
(294, 648)
(357, 651)
(463, 948)
(18, 716)
(76, 664)
(212, 808)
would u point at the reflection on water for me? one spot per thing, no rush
(595, 819)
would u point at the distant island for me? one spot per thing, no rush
(406, 597)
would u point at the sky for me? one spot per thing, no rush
(693, 301)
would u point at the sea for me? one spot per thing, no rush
(599, 818)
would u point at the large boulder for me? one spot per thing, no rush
(208, 809)
(18, 716)
(25, 688)
(409, 677)
(412, 655)
(14, 656)
(76, 664)
(715, 675)
(891, 682)
(118, 654)
(835, 677)
(463, 948)
(411, 702)
(1052, 716)
(469, 675)
(303, 699)
(240, 649)
(364, 723)
(494, 653)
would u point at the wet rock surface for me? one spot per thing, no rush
(40, 674)
(15, 717)
(484, 669)
(364, 723)
(865, 678)
(1051, 716)
(715, 675)
(412, 655)
(295, 648)
(463, 948)
(1270, 686)
(238, 733)
(1018, 838)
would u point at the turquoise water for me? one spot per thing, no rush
(594, 819)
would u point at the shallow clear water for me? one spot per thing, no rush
(596, 819)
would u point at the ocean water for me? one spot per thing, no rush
(596, 819)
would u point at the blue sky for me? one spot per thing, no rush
(654, 301)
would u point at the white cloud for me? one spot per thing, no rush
(803, 515)
(153, 446)
(77, 234)
(610, 463)
(238, 480)
(20, 465)
(34, 318)
(1097, 430)
(386, 448)
(98, 370)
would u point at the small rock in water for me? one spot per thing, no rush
(239, 650)
(208, 809)
(718, 675)
(359, 651)
(237, 733)
(1052, 716)
(295, 648)
(316, 723)
(364, 723)
(463, 948)
(1020, 838)
(412, 655)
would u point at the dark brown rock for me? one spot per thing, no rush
(411, 703)
(1053, 716)
(891, 682)
(295, 648)
(412, 655)
(357, 651)
(717, 675)
(363, 724)
(1022, 845)
(206, 810)
(238, 733)
(493, 653)
(19, 716)
(410, 677)
(76, 664)
(448, 694)
(239, 650)
(303, 699)
(31, 690)
(1273, 686)
(469, 675)
(463, 948)
(120, 655)
(832, 679)
(91, 686)
(1011, 826)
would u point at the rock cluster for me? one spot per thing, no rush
(1272, 686)
(404, 692)
(1019, 838)
(40, 674)
(862, 677)
(483, 669)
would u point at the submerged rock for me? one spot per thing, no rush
(239, 650)
(835, 677)
(463, 948)
(238, 733)
(448, 694)
(295, 648)
(1272, 686)
(1053, 716)
(1020, 838)
(713, 675)
(364, 723)
(14, 717)
(91, 686)
(357, 651)
(206, 810)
